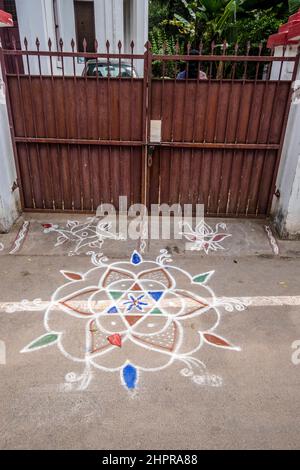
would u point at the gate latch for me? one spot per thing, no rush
(151, 149)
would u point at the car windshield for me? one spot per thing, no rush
(113, 70)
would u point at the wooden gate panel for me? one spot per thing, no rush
(224, 138)
(227, 182)
(78, 177)
(69, 109)
(82, 140)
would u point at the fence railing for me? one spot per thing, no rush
(220, 63)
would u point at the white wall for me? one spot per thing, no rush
(285, 67)
(36, 18)
(286, 209)
(9, 200)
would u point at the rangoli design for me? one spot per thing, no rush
(272, 240)
(205, 238)
(20, 238)
(88, 235)
(1, 247)
(133, 317)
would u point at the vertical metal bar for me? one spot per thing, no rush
(238, 124)
(197, 93)
(220, 77)
(45, 123)
(206, 121)
(35, 125)
(183, 127)
(208, 92)
(119, 86)
(121, 160)
(216, 124)
(109, 120)
(233, 72)
(56, 126)
(248, 127)
(61, 45)
(88, 126)
(77, 123)
(91, 178)
(146, 123)
(270, 127)
(174, 94)
(11, 126)
(163, 80)
(131, 126)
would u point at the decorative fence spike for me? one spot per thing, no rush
(96, 45)
(26, 43)
(148, 46)
(61, 44)
(49, 44)
(72, 44)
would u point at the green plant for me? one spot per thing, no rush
(294, 6)
(204, 20)
(163, 44)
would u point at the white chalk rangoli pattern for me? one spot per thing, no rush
(133, 317)
(1, 247)
(272, 240)
(90, 234)
(204, 238)
(20, 238)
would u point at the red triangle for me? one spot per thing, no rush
(115, 340)
(132, 319)
(136, 287)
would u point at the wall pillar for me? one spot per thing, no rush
(286, 208)
(10, 206)
(286, 205)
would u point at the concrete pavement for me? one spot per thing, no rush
(247, 398)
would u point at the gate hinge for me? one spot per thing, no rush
(14, 186)
(150, 153)
(277, 193)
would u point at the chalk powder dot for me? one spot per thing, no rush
(130, 376)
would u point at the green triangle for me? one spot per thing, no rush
(202, 278)
(115, 294)
(156, 311)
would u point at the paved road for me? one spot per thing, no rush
(243, 394)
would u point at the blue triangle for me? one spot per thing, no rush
(130, 376)
(113, 310)
(136, 258)
(156, 295)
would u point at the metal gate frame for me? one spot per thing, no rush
(147, 150)
(192, 144)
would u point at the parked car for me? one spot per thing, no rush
(111, 67)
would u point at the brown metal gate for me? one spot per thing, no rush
(83, 140)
